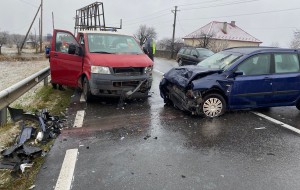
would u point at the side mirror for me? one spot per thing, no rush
(72, 49)
(79, 51)
(238, 73)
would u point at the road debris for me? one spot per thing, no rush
(147, 137)
(42, 128)
(23, 166)
(259, 128)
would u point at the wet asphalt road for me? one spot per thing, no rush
(148, 145)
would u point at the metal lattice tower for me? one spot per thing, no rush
(91, 17)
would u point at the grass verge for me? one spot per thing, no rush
(56, 102)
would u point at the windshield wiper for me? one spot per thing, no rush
(103, 52)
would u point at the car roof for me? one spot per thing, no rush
(102, 32)
(249, 50)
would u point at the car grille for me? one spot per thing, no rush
(126, 83)
(128, 71)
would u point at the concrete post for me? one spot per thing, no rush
(3, 116)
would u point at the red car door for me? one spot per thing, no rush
(65, 66)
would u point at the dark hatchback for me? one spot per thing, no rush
(192, 55)
(236, 78)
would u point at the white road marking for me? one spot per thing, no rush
(65, 177)
(82, 98)
(79, 118)
(155, 70)
(278, 122)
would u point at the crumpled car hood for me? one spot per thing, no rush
(182, 76)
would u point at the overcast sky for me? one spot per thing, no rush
(268, 20)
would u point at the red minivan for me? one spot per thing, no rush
(101, 63)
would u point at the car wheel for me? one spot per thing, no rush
(213, 105)
(86, 90)
(298, 105)
(180, 62)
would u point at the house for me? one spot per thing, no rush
(220, 35)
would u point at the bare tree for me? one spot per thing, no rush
(144, 33)
(295, 43)
(3, 39)
(204, 40)
(166, 44)
(17, 39)
(218, 45)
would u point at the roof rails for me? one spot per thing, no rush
(258, 47)
(91, 17)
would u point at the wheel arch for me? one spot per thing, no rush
(216, 90)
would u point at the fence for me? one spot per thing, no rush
(12, 93)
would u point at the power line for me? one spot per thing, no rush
(146, 16)
(141, 20)
(221, 5)
(247, 14)
(153, 18)
(203, 2)
(28, 3)
(180, 25)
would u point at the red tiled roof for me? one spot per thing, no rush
(216, 29)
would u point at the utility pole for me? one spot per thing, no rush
(173, 37)
(52, 21)
(21, 47)
(41, 29)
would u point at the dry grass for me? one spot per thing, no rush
(56, 102)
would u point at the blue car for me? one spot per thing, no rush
(235, 78)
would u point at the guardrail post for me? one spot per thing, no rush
(3, 116)
(46, 81)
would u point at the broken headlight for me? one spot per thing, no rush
(148, 70)
(100, 70)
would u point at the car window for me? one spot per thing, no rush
(256, 65)
(181, 50)
(187, 51)
(194, 52)
(112, 43)
(204, 52)
(286, 63)
(222, 60)
(62, 42)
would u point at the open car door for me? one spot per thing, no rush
(66, 58)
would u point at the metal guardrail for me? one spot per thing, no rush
(12, 93)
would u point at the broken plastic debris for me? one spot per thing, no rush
(146, 137)
(40, 136)
(31, 187)
(122, 138)
(23, 166)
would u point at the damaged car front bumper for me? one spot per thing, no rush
(185, 100)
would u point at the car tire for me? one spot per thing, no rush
(213, 105)
(298, 105)
(86, 90)
(180, 62)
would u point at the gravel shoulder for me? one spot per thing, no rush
(13, 72)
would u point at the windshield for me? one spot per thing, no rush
(221, 60)
(204, 52)
(113, 44)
